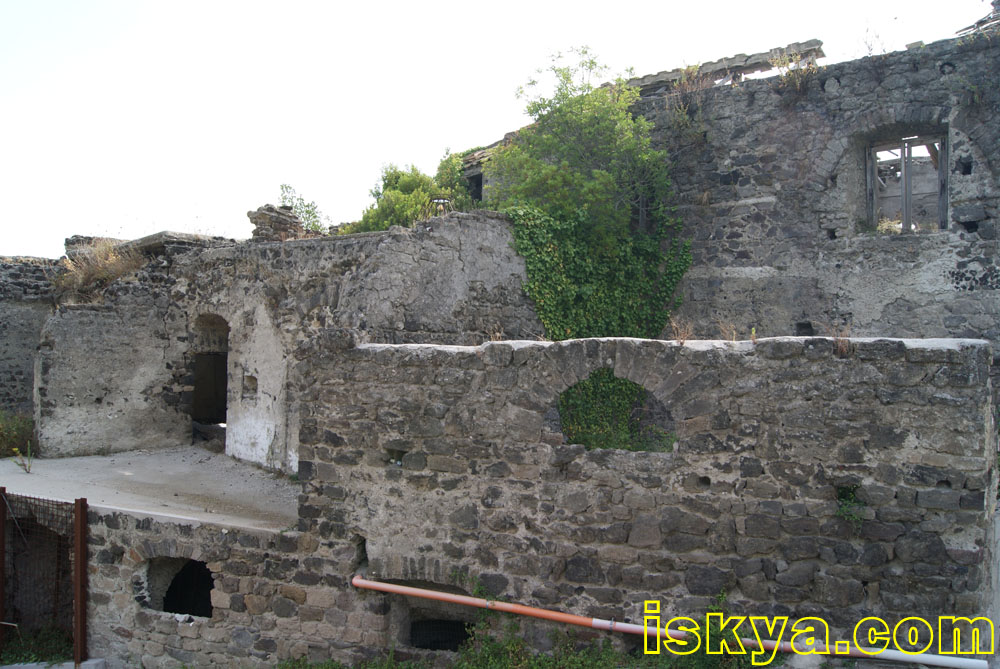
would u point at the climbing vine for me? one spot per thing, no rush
(586, 285)
(603, 411)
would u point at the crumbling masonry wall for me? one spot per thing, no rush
(25, 304)
(441, 465)
(118, 375)
(772, 191)
(272, 596)
(447, 463)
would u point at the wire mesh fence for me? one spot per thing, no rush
(43, 568)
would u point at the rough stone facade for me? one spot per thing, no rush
(120, 375)
(772, 191)
(26, 302)
(272, 596)
(440, 465)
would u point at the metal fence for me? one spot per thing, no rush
(43, 572)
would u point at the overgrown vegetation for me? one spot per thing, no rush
(17, 432)
(684, 115)
(604, 411)
(50, 644)
(794, 74)
(312, 218)
(89, 270)
(405, 196)
(590, 199)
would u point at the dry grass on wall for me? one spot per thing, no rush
(89, 271)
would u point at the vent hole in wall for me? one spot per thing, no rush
(970, 226)
(946, 485)
(360, 553)
(704, 482)
(805, 329)
(438, 634)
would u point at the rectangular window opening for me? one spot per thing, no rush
(907, 185)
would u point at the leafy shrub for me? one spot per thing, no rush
(312, 218)
(405, 196)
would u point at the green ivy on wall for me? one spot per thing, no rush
(600, 412)
(587, 285)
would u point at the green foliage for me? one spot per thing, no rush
(585, 158)
(405, 196)
(848, 505)
(312, 219)
(50, 644)
(618, 284)
(601, 412)
(17, 432)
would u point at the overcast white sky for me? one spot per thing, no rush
(124, 118)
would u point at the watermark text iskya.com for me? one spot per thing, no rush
(721, 634)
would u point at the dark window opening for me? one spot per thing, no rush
(805, 329)
(179, 585)
(907, 187)
(476, 186)
(963, 166)
(438, 634)
(208, 402)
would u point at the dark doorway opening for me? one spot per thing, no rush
(208, 401)
(208, 366)
(438, 634)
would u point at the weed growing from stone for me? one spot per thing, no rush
(848, 505)
(17, 434)
(23, 460)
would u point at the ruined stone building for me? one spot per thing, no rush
(845, 217)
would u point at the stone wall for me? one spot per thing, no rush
(454, 279)
(444, 466)
(273, 596)
(772, 187)
(446, 463)
(98, 376)
(26, 296)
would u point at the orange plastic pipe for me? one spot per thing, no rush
(631, 628)
(477, 602)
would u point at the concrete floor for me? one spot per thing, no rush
(188, 483)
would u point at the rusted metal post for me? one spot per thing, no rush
(80, 581)
(3, 560)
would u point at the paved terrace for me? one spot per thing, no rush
(180, 483)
